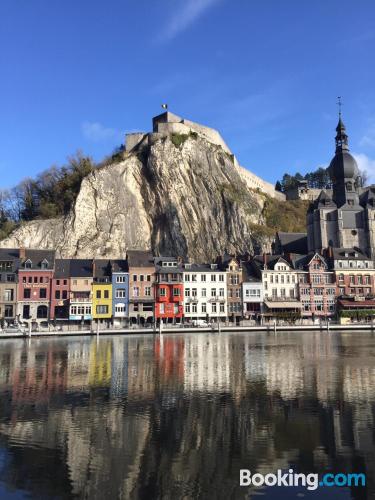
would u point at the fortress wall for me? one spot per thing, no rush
(255, 182)
(132, 140)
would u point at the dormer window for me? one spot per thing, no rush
(213, 266)
(44, 264)
(28, 264)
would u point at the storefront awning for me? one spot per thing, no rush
(283, 304)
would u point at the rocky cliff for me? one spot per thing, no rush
(179, 195)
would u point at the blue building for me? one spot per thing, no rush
(120, 292)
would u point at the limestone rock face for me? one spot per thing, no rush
(178, 195)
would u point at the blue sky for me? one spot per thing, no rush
(78, 74)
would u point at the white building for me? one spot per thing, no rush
(252, 292)
(205, 292)
(280, 283)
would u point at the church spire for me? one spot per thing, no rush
(342, 143)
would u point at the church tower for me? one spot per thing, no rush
(340, 220)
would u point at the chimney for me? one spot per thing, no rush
(330, 252)
(179, 260)
(22, 253)
(264, 260)
(93, 268)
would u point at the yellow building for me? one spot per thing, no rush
(102, 290)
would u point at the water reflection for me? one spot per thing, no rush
(177, 417)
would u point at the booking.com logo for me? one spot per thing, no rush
(310, 481)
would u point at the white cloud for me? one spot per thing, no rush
(366, 164)
(369, 138)
(96, 132)
(185, 13)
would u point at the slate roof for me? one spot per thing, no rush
(37, 257)
(352, 253)
(102, 268)
(62, 268)
(292, 242)
(140, 258)
(81, 268)
(191, 268)
(119, 266)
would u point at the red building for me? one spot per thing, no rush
(34, 285)
(60, 289)
(317, 287)
(169, 290)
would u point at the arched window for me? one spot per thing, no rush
(42, 312)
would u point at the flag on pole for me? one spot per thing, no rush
(164, 106)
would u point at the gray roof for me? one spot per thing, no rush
(352, 253)
(292, 242)
(160, 268)
(62, 268)
(38, 256)
(102, 268)
(249, 273)
(271, 260)
(140, 258)
(204, 268)
(81, 268)
(119, 266)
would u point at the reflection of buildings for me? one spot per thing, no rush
(207, 363)
(98, 410)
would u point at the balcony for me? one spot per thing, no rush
(191, 299)
(218, 299)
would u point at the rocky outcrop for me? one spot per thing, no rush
(179, 195)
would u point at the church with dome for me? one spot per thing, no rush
(344, 218)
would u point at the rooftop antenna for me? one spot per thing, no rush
(339, 103)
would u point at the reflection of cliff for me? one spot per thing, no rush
(145, 417)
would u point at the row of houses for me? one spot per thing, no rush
(36, 287)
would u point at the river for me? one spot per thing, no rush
(178, 416)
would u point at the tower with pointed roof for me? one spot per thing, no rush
(347, 219)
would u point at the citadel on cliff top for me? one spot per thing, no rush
(168, 123)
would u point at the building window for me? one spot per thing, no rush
(57, 282)
(42, 312)
(106, 294)
(193, 292)
(65, 294)
(120, 279)
(187, 277)
(134, 277)
(57, 294)
(213, 277)
(213, 292)
(221, 292)
(187, 292)
(148, 277)
(148, 291)
(8, 311)
(26, 293)
(203, 277)
(74, 282)
(121, 293)
(8, 295)
(98, 294)
(194, 308)
(162, 292)
(141, 277)
(204, 292)
(43, 293)
(221, 308)
(120, 308)
(102, 309)
(26, 312)
(214, 308)
(44, 264)
(176, 292)
(204, 307)
(28, 264)
(194, 277)
(221, 277)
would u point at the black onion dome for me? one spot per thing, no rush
(343, 166)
